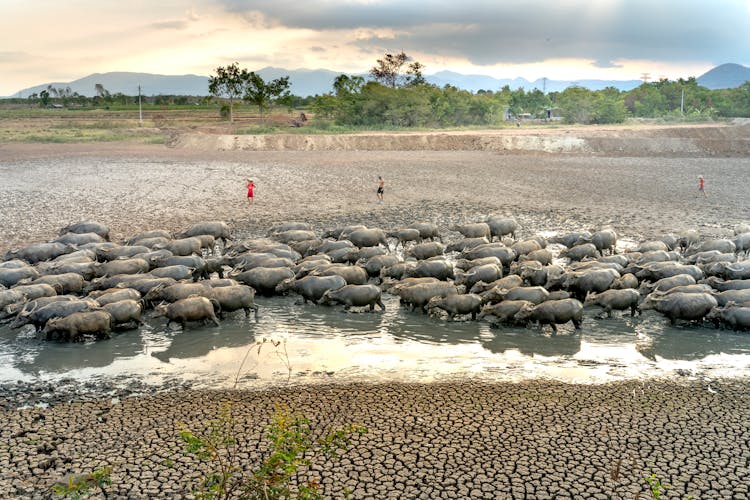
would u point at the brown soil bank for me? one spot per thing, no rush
(704, 140)
(451, 440)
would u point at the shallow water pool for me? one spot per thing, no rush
(310, 344)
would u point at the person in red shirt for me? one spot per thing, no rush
(701, 185)
(250, 188)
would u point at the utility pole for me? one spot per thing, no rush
(140, 111)
(645, 77)
(544, 85)
(682, 102)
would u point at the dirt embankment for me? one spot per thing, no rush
(702, 140)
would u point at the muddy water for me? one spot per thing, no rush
(309, 344)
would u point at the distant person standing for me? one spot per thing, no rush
(250, 191)
(701, 185)
(381, 186)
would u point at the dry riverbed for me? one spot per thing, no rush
(461, 439)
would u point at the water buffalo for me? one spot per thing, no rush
(144, 285)
(508, 282)
(40, 314)
(121, 266)
(183, 246)
(79, 238)
(570, 240)
(457, 304)
(374, 265)
(73, 326)
(63, 283)
(486, 273)
(218, 229)
(427, 230)
(354, 296)
(499, 250)
(652, 246)
(306, 247)
(606, 239)
(341, 232)
(87, 227)
(175, 272)
(654, 271)
(543, 256)
(113, 281)
(553, 313)
(737, 318)
(465, 244)
(466, 264)
(525, 247)
(173, 293)
(723, 298)
(500, 226)
(104, 297)
(264, 279)
(124, 312)
(15, 308)
(711, 256)
(535, 294)
(619, 300)
(737, 271)
(580, 252)
(580, 283)
(722, 245)
(742, 243)
(234, 298)
(354, 275)
(293, 235)
(367, 253)
(405, 235)
(722, 285)
(108, 253)
(687, 306)
(419, 295)
(438, 268)
(667, 283)
(687, 239)
(368, 237)
(476, 230)
(195, 261)
(156, 233)
(311, 288)
(504, 311)
(11, 276)
(289, 226)
(398, 270)
(627, 280)
(190, 309)
(424, 251)
(39, 252)
(25, 292)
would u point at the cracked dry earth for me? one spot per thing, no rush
(451, 440)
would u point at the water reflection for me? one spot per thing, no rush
(327, 342)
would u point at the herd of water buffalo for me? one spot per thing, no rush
(82, 285)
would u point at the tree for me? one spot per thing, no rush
(228, 82)
(345, 84)
(44, 98)
(389, 71)
(263, 94)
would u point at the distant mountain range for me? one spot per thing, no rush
(306, 82)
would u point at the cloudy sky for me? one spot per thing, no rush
(44, 41)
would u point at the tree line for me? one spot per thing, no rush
(397, 95)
